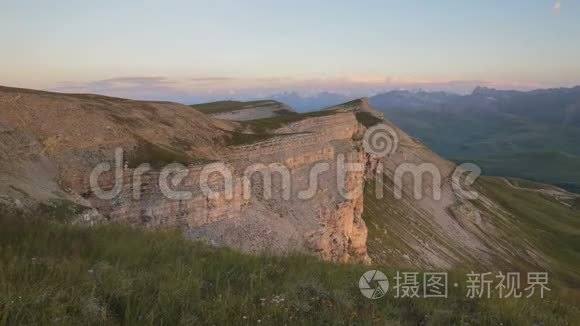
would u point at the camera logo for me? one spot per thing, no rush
(380, 141)
(377, 278)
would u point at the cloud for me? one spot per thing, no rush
(557, 6)
(117, 83)
(205, 89)
(211, 79)
(129, 82)
(149, 88)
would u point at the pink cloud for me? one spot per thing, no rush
(214, 88)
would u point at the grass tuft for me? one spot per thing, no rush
(117, 275)
(367, 119)
(159, 156)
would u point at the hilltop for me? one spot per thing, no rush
(240, 111)
(52, 142)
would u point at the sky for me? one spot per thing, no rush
(192, 50)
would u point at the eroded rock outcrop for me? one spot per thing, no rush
(278, 186)
(300, 210)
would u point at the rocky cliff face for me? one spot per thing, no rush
(282, 184)
(245, 213)
(283, 221)
(243, 111)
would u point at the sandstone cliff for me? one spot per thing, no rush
(277, 184)
(68, 135)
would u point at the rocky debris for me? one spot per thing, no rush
(89, 217)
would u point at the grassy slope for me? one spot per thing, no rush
(228, 106)
(55, 273)
(263, 129)
(393, 228)
(523, 183)
(560, 169)
(536, 219)
(50, 272)
(252, 131)
(159, 156)
(541, 222)
(548, 224)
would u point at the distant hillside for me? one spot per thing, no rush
(558, 105)
(241, 111)
(302, 103)
(531, 135)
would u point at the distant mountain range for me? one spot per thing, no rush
(561, 105)
(526, 134)
(532, 135)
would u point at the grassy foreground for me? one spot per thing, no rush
(53, 273)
